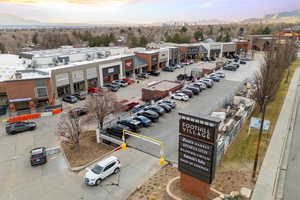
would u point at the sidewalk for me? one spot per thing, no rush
(267, 183)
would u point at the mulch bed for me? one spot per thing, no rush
(89, 150)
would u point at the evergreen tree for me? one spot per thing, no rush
(2, 48)
(183, 29)
(143, 41)
(35, 38)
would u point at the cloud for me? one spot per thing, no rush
(68, 1)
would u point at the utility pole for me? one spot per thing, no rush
(259, 138)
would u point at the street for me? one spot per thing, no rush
(292, 182)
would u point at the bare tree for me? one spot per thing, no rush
(70, 128)
(267, 81)
(101, 105)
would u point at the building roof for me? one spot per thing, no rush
(29, 74)
(163, 85)
(9, 64)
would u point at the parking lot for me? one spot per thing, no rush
(55, 181)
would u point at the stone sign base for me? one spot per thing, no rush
(194, 186)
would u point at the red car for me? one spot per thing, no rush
(92, 90)
(129, 81)
(131, 105)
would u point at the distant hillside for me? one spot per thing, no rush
(287, 17)
(8, 19)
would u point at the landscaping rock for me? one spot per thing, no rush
(234, 193)
(218, 198)
(246, 192)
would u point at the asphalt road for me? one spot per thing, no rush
(292, 183)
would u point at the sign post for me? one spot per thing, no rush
(197, 153)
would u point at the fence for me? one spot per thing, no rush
(37, 110)
(227, 140)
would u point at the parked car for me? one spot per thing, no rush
(170, 103)
(207, 83)
(178, 66)
(220, 74)
(168, 69)
(236, 64)
(230, 68)
(205, 59)
(133, 124)
(187, 92)
(199, 85)
(214, 77)
(117, 130)
(159, 110)
(180, 96)
(153, 116)
(18, 127)
(80, 95)
(207, 80)
(138, 108)
(70, 99)
(128, 81)
(121, 83)
(112, 87)
(166, 107)
(195, 90)
(38, 156)
(181, 77)
(131, 105)
(102, 170)
(143, 75)
(146, 122)
(79, 111)
(154, 73)
(243, 62)
(212, 58)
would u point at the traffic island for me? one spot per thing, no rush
(89, 151)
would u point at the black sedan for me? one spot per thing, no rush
(195, 90)
(168, 69)
(78, 112)
(133, 124)
(153, 116)
(166, 107)
(117, 130)
(19, 127)
(187, 92)
(154, 73)
(80, 95)
(230, 68)
(70, 99)
(38, 156)
(159, 110)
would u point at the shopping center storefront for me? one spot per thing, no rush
(78, 81)
(62, 83)
(92, 78)
(111, 73)
(128, 67)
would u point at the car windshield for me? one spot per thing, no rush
(97, 169)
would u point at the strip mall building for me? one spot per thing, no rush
(49, 74)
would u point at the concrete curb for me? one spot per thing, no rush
(267, 181)
(169, 191)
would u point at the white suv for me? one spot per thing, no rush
(180, 96)
(101, 170)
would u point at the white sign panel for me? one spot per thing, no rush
(77, 76)
(91, 73)
(62, 79)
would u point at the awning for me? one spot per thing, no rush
(19, 100)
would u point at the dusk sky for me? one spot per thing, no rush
(142, 11)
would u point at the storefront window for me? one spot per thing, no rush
(41, 92)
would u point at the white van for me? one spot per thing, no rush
(101, 170)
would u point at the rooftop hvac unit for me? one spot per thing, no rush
(18, 75)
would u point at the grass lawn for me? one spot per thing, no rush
(243, 149)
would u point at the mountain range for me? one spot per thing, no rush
(287, 17)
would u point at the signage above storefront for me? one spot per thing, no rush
(197, 146)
